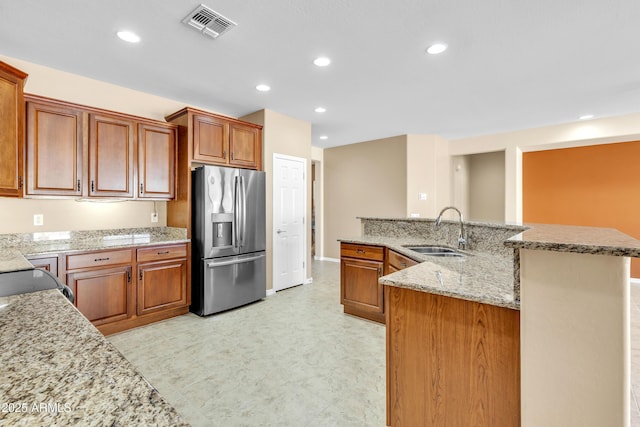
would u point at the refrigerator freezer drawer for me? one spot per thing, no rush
(230, 282)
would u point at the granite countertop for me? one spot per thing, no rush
(480, 276)
(32, 244)
(578, 239)
(57, 369)
(13, 260)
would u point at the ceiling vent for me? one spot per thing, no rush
(208, 21)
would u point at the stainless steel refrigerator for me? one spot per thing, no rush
(228, 238)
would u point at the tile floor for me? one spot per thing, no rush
(293, 359)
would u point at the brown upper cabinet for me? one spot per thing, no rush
(11, 130)
(79, 151)
(54, 149)
(111, 154)
(156, 162)
(219, 140)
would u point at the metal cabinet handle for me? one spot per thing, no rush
(224, 154)
(101, 259)
(281, 231)
(361, 251)
(140, 274)
(163, 253)
(93, 187)
(128, 276)
(232, 155)
(141, 188)
(403, 264)
(78, 183)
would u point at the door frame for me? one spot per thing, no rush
(305, 218)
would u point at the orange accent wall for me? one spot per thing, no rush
(597, 186)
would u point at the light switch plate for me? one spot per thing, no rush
(38, 219)
(422, 196)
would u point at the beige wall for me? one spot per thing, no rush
(486, 187)
(283, 135)
(574, 335)
(427, 162)
(364, 179)
(16, 215)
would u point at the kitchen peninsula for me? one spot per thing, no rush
(530, 328)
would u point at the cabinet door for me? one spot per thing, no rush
(11, 130)
(244, 146)
(49, 263)
(162, 285)
(210, 139)
(54, 150)
(359, 285)
(103, 296)
(156, 162)
(111, 156)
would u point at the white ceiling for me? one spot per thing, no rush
(511, 64)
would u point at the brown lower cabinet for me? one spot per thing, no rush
(49, 263)
(125, 288)
(360, 268)
(103, 295)
(451, 362)
(162, 279)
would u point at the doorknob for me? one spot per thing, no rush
(281, 231)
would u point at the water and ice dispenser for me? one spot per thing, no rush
(222, 229)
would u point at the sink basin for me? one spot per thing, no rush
(435, 251)
(430, 249)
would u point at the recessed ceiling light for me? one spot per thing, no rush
(322, 61)
(436, 48)
(263, 88)
(128, 36)
(586, 117)
(324, 137)
(320, 110)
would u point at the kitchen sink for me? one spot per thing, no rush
(440, 251)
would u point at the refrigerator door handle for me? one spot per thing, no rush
(214, 264)
(236, 212)
(243, 211)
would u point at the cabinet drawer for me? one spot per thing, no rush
(158, 253)
(99, 259)
(375, 253)
(399, 261)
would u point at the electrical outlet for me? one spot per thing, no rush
(154, 216)
(422, 196)
(415, 215)
(38, 219)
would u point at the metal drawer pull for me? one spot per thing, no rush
(360, 251)
(403, 264)
(163, 253)
(101, 259)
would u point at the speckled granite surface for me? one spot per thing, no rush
(57, 369)
(584, 240)
(13, 260)
(31, 244)
(491, 272)
(480, 276)
(481, 236)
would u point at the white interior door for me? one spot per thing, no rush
(289, 201)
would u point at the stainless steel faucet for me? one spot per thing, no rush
(462, 238)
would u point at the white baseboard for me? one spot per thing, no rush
(308, 281)
(270, 292)
(322, 258)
